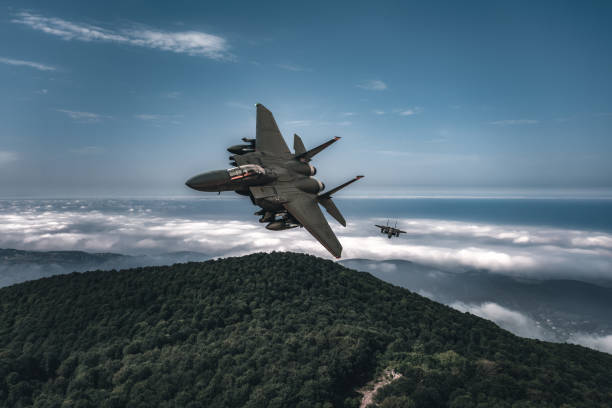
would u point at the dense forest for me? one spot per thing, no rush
(270, 330)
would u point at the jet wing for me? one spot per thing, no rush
(305, 209)
(268, 138)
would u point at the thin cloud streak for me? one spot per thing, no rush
(83, 117)
(373, 85)
(511, 122)
(409, 112)
(193, 43)
(35, 65)
(298, 123)
(157, 119)
(7, 157)
(147, 116)
(294, 68)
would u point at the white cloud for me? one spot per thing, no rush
(379, 112)
(604, 241)
(173, 95)
(83, 117)
(373, 85)
(408, 112)
(348, 113)
(514, 122)
(7, 157)
(298, 123)
(187, 42)
(35, 65)
(157, 119)
(345, 123)
(601, 343)
(147, 116)
(293, 67)
(508, 319)
(240, 105)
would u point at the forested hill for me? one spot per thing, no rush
(269, 330)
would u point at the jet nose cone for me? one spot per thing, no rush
(211, 181)
(191, 182)
(198, 182)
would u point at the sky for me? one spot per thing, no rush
(132, 98)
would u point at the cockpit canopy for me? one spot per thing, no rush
(248, 171)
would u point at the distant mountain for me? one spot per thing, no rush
(561, 307)
(270, 330)
(20, 266)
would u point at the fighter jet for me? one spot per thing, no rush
(278, 181)
(390, 231)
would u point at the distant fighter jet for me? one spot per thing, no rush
(390, 231)
(278, 181)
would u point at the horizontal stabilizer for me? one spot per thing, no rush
(331, 208)
(307, 156)
(298, 145)
(340, 187)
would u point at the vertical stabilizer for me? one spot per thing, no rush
(298, 145)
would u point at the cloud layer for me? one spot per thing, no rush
(508, 319)
(601, 343)
(524, 326)
(123, 226)
(186, 42)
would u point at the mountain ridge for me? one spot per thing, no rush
(279, 329)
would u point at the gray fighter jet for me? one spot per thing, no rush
(390, 231)
(278, 181)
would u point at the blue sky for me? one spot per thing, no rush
(132, 98)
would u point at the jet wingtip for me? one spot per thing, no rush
(360, 177)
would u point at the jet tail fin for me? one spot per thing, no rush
(298, 145)
(326, 201)
(308, 155)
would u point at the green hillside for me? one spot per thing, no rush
(269, 330)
